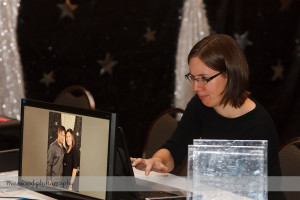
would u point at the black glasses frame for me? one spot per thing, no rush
(191, 78)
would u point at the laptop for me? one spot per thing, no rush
(123, 168)
(41, 162)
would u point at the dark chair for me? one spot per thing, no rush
(9, 160)
(289, 157)
(76, 96)
(9, 143)
(160, 131)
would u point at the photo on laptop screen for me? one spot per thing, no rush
(64, 143)
(73, 146)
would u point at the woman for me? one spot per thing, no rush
(221, 108)
(71, 161)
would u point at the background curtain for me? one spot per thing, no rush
(11, 77)
(194, 27)
(124, 53)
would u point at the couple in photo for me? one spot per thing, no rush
(63, 159)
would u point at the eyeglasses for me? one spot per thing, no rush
(201, 79)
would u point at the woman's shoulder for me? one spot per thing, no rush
(259, 108)
(261, 115)
(75, 150)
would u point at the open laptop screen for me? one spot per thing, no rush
(44, 147)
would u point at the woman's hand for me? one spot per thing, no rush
(147, 165)
(70, 187)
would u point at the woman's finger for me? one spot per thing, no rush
(159, 167)
(149, 164)
(134, 162)
(138, 161)
(163, 168)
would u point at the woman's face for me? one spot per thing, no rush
(211, 93)
(69, 139)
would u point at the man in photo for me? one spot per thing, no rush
(55, 156)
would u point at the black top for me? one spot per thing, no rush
(201, 121)
(71, 161)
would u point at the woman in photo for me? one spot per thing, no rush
(71, 161)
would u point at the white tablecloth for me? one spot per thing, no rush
(10, 189)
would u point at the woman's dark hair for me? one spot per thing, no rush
(221, 53)
(73, 138)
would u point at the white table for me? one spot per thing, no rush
(177, 184)
(9, 189)
(159, 181)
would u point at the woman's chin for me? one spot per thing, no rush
(205, 102)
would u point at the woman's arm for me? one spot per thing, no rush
(162, 161)
(73, 178)
(177, 145)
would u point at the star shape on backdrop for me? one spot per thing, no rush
(285, 4)
(107, 64)
(150, 35)
(48, 78)
(242, 40)
(278, 71)
(67, 9)
(56, 123)
(77, 134)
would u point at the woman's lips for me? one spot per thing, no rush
(202, 97)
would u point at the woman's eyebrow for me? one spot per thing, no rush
(202, 74)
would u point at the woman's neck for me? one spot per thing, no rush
(230, 112)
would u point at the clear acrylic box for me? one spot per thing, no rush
(262, 143)
(227, 169)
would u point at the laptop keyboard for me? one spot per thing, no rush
(148, 194)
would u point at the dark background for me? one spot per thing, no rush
(141, 84)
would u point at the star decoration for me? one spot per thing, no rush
(77, 134)
(107, 64)
(242, 40)
(278, 71)
(47, 78)
(285, 4)
(56, 123)
(150, 35)
(67, 9)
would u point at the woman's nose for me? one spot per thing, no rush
(197, 86)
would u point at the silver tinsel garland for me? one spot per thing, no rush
(194, 27)
(11, 78)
